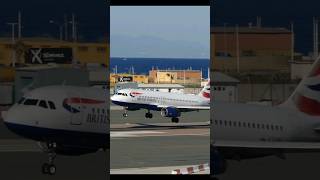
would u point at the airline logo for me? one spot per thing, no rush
(68, 103)
(134, 94)
(307, 98)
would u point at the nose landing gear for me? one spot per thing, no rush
(50, 168)
(125, 114)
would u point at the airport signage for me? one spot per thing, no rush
(49, 55)
(125, 79)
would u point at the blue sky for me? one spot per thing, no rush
(160, 31)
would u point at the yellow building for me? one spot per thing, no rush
(82, 52)
(114, 78)
(191, 77)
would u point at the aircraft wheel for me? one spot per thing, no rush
(45, 168)
(52, 169)
(175, 120)
(148, 115)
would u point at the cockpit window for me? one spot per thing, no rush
(31, 102)
(51, 105)
(43, 104)
(122, 94)
(21, 100)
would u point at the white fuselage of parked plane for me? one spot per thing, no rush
(247, 122)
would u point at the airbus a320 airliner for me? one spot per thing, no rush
(170, 104)
(244, 131)
(63, 119)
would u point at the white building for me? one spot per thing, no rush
(225, 88)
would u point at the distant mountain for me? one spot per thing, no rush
(147, 46)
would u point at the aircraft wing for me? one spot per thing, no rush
(191, 108)
(283, 145)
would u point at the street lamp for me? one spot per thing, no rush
(60, 28)
(13, 58)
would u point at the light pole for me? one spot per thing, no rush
(60, 29)
(225, 38)
(13, 43)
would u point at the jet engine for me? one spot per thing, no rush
(170, 112)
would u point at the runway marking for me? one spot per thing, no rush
(132, 133)
(153, 170)
(169, 132)
(157, 126)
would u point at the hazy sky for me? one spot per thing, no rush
(162, 31)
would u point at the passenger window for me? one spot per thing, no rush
(51, 105)
(43, 104)
(31, 102)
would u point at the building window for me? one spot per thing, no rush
(83, 48)
(8, 46)
(248, 53)
(101, 49)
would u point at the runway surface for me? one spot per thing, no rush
(157, 146)
(22, 159)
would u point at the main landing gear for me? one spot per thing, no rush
(149, 114)
(50, 168)
(175, 120)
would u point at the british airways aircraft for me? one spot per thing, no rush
(170, 104)
(245, 131)
(63, 119)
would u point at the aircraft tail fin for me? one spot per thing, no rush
(306, 97)
(205, 92)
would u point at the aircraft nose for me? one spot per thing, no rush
(7, 115)
(4, 115)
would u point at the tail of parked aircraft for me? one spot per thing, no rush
(205, 92)
(306, 97)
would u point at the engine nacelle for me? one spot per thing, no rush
(218, 162)
(170, 112)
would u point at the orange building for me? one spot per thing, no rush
(256, 48)
(186, 77)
